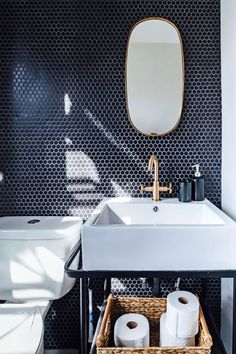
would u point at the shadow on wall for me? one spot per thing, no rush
(84, 181)
(52, 166)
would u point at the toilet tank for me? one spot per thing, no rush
(33, 251)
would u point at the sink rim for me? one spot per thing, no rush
(91, 221)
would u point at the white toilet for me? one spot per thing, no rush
(33, 251)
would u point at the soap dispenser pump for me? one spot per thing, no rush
(198, 190)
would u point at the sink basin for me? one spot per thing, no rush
(170, 212)
(138, 234)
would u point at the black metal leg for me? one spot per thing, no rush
(93, 349)
(234, 317)
(83, 317)
(218, 346)
(156, 287)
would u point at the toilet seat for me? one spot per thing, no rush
(21, 329)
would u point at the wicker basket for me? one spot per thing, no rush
(152, 308)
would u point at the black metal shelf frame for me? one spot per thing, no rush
(84, 275)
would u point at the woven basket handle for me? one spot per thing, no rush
(101, 336)
(205, 330)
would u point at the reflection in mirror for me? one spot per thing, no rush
(154, 76)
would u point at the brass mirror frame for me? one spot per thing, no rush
(126, 74)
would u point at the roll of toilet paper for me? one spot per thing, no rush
(167, 340)
(182, 314)
(132, 330)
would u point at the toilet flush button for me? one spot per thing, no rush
(33, 221)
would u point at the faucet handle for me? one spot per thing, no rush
(142, 188)
(170, 187)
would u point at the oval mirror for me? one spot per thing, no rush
(154, 76)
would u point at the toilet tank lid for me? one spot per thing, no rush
(39, 227)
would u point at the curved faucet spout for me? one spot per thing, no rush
(153, 162)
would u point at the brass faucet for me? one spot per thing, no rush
(155, 188)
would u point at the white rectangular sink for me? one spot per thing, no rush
(169, 212)
(138, 234)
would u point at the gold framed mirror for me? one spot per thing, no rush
(154, 75)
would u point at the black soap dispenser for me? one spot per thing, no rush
(198, 188)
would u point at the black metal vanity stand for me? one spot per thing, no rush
(84, 276)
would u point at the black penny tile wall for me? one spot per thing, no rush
(65, 136)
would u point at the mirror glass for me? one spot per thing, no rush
(154, 76)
